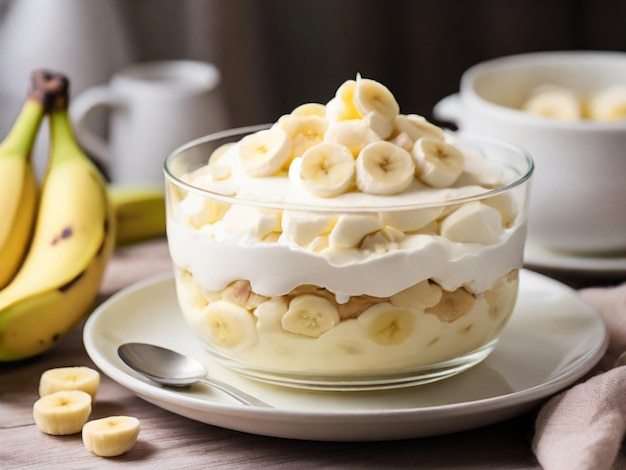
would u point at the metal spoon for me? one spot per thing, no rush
(168, 367)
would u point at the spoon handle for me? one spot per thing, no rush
(237, 394)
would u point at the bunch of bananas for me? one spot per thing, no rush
(56, 240)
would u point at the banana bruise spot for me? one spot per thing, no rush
(66, 233)
(65, 287)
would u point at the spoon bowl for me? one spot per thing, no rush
(171, 368)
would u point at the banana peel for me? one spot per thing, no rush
(139, 212)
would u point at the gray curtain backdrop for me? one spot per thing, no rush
(276, 54)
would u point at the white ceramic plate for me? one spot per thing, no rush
(540, 257)
(552, 340)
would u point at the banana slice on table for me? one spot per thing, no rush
(438, 164)
(372, 96)
(384, 168)
(608, 104)
(229, 325)
(61, 413)
(387, 324)
(554, 103)
(111, 436)
(264, 152)
(81, 378)
(354, 134)
(310, 315)
(380, 124)
(327, 169)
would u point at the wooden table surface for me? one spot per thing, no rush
(171, 441)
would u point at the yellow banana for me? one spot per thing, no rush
(140, 213)
(73, 240)
(18, 185)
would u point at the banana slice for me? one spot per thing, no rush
(327, 170)
(415, 127)
(269, 314)
(351, 229)
(229, 325)
(61, 413)
(264, 152)
(304, 132)
(379, 124)
(473, 223)
(81, 378)
(199, 211)
(354, 134)
(341, 106)
(384, 168)
(438, 164)
(608, 104)
(219, 152)
(387, 324)
(554, 103)
(111, 436)
(386, 239)
(424, 294)
(310, 109)
(257, 222)
(506, 205)
(310, 315)
(372, 96)
(303, 227)
(409, 221)
(402, 140)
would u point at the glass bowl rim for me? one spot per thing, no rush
(169, 176)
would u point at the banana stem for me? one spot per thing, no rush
(45, 87)
(21, 137)
(63, 143)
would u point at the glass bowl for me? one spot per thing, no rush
(350, 292)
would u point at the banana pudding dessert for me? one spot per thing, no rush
(347, 245)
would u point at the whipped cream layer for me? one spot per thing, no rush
(274, 269)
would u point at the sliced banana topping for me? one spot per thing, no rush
(63, 412)
(310, 315)
(353, 134)
(327, 169)
(341, 106)
(384, 168)
(438, 163)
(264, 152)
(304, 132)
(309, 109)
(372, 96)
(81, 378)
(111, 436)
(415, 127)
